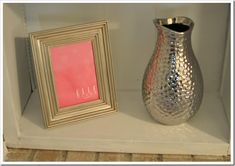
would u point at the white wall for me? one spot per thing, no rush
(133, 34)
(16, 79)
(15, 56)
(225, 90)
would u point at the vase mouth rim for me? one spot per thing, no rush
(163, 22)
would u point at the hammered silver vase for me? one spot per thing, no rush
(172, 87)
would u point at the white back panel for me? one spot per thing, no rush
(133, 34)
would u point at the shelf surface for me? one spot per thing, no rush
(130, 130)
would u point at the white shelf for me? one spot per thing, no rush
(130, 130)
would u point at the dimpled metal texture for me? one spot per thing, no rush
(172, 87)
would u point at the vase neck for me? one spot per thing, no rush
(176, 26)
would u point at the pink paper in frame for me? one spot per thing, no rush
(74, 73)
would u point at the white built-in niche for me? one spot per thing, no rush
(132, 37)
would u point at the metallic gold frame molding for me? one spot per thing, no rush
(97, 33)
